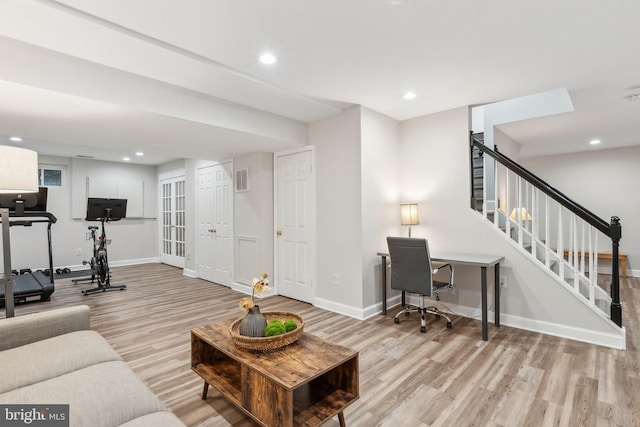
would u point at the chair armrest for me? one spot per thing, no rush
(21, 330)
(451, 271)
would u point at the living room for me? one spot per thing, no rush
(366, 162)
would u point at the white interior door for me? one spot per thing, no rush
(223, 223)
(215, 223)
(172, 221)
(204, 244)
(295, 206)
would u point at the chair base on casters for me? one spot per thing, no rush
(423, 316)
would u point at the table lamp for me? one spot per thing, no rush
(18, 174)
(409, 215)
(520, 215)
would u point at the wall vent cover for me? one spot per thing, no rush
(242, 180)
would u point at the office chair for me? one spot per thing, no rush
(412, 272)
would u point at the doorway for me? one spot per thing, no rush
(172, 220)
(295, 224)
(215, 223)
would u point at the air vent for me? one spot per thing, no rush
(242, 180)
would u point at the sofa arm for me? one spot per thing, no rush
(21, 330)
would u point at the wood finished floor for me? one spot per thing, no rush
(446, 377)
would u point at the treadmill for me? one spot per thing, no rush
(25, 210)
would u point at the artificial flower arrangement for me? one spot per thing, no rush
(259, 286)
(254, 324)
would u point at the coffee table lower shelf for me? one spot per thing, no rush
(300, 385)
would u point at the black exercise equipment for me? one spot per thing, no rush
(103, 210)
(25, 210)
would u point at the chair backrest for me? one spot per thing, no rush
(410, 265)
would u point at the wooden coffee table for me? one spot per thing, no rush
(304, 384)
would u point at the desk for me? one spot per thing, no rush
(304, 384)
(482, 261)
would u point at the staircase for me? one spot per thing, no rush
(477, 174)
(561, 236)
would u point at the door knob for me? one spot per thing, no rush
(278, 233)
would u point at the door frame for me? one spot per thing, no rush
(276, 254)
(163, 176)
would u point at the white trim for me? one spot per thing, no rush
(612, 340)
(340, 308)
(122, 263)
(176, 173)
(189, 273)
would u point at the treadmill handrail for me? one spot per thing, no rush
(31, 214)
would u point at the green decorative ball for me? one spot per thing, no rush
(290, 325)
(275, 327)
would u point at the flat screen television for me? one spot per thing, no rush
(19, 203)
(99, 209)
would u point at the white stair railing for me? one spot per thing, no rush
(559, 234)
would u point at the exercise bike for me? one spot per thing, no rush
(99, 262)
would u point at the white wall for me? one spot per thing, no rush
(603, 181)
(253, 219)
(133, 240)
(338, 211)
(380, 198)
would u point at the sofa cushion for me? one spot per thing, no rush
(102, 395)
(21, 330)
(156, 419)
(41, 360)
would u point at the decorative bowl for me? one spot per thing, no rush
(268, 343)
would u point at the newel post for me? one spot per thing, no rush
(616, 307)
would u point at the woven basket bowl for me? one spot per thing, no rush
(268, 343)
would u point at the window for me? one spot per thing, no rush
(51, 176)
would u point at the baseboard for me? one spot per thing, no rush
(339, 308)
(612, 340)
(242, 288)
(617, 341)
(80, 267)
(134, 262)
(189, 273)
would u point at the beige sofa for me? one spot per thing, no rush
(54, 358)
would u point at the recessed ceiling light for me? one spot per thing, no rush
(126, 159)
(15, 139)
(594, 142)
(139, 153)
(268, 58)
(409, 95)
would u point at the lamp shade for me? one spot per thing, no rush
(409, 214)
(520, 214)
(18, 170)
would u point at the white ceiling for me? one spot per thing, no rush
(181, 79)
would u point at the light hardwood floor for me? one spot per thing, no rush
(446, 377)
